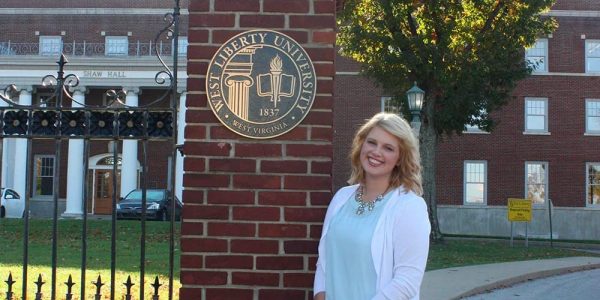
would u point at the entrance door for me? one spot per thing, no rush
(103, 191)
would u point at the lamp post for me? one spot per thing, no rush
(415, 97)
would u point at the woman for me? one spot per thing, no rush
(375, 237)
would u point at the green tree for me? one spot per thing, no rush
(467, 55)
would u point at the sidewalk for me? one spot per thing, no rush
(455, 283)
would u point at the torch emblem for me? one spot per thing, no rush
(275, 84)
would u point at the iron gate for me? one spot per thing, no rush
(114, 122)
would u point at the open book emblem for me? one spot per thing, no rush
(275, 81)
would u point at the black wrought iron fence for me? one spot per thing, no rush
(115, 122)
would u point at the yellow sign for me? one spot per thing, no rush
(519, 210)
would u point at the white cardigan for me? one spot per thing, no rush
(399, 246)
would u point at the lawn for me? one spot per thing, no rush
(452, 253)
(464, 252)
(98, 256)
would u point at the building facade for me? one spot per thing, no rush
(109, 45)
(545, 146)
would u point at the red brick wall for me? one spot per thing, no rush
(507, 149)
(254, 208)
(576, 5)
(88, 28)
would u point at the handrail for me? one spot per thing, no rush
(83, 48)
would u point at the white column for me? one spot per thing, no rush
(8, 163)
(75, 177)
(180, 140)
(20, 159)
(129, 162)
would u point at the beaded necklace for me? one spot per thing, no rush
(369, 205)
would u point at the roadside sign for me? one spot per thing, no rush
(519, 210)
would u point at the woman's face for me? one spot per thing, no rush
(379, 153)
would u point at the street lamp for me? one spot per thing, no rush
(415, 98)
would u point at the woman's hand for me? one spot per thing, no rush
(319, 296)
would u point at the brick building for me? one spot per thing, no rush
(545, 147)
(109, 45)
(254, 208)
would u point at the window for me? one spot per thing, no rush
(474, 128)
(475, 182)
(45, 99)
(43, 175)
(536, 181)
(592, 116)
(537, 56)
(592, 56)
(50, 45)
(13, 194)
(182, 46)
(390, 105)
(116, 45)
(593, 184)
(536, 115)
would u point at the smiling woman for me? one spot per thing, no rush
(380, 219)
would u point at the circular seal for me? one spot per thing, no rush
(261, 84)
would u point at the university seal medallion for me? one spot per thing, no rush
(261, 84)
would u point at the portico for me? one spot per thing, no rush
(97, 75)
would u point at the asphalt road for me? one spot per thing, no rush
(582, 285)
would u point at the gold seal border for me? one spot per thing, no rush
(231, 127)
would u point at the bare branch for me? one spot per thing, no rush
(488, 22)
(492, 16)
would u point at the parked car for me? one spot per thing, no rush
(158, 205)
(11, 204)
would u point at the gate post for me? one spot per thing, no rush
(254, 207)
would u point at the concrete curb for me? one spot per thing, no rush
(460, 282)
(525, 277)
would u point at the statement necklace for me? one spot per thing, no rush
(369, 205)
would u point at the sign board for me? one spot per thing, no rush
(519, 210)
(261, 84)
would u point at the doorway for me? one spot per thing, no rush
(101, 181)
(103, 191)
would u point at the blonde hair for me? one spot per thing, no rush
(407, 172)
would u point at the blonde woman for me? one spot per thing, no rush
(375, 238)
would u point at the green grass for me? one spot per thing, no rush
(459, 252)
(452, 253)
(69, 255)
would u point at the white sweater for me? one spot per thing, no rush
(399, 246)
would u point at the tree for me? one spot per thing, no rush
(467, 55)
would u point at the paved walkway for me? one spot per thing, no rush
(455, 283)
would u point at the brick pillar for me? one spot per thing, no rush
(254, 208)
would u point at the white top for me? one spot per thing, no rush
(399, 246)
(350, 273)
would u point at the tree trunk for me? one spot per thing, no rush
(428, 145)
